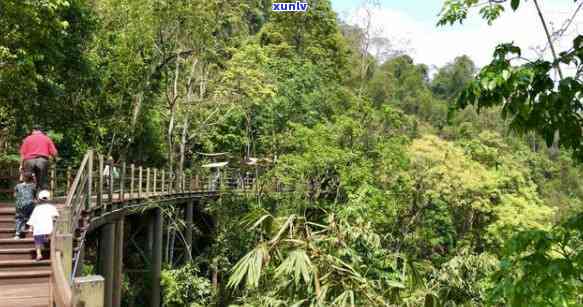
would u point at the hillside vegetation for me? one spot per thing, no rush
(403, 195)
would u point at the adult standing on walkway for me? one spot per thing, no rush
(35, 152)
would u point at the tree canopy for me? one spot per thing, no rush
(401, 187)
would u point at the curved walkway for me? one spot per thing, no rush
(89, 201)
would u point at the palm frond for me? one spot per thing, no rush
(298, 265)
(249, 268)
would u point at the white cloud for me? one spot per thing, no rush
(438, 46)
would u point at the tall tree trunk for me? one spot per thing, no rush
(172, 241)
(171, 143)
(554, 150)
(185, 123)
(173, 101)
(167, 250)
(183, 148)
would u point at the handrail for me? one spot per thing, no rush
(62, 292)
(73, 189)
(62, 287)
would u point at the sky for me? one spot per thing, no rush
(412, 24)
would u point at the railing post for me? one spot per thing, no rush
(140, 182)
(89, 291)
(132, 169)
(68, 179)
(65, 246)
(170, 182)
(182, 182)
(63, 224)
(155, 180)
(89, 180)
(122, 180)
(111, 181)
(197, 182)
(221, 179)
(163, 181)
(147, 181)
(99, 199)
(53, 183)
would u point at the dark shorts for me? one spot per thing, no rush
(41, 240)
(39, 167)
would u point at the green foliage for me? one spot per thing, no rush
(483, 205)
(314, 35)
(401, 82)
(542, 268)
(386, 203)
(526, 93)
(453, 78)
(464, 279)
(46, 74)
(184, 287)
(457, 10)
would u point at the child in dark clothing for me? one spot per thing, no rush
(24, 192)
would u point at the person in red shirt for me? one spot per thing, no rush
(35, 152)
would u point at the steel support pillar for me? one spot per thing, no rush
(150, 235)
(118, 263)
(107, 248)
(156, 258)
(189, 226)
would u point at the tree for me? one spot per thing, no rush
(453, 78)
(246, 82)
(314, 35)
(542, 268)
(399, 81)
(528, 93)
(45, 72)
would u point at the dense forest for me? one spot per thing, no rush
(458, 188)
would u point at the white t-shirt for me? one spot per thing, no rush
(42, 218)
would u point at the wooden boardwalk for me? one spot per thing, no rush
(23, 280)
(93, 201)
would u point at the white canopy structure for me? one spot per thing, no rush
(215, 165)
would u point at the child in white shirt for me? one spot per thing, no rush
(41, 222)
